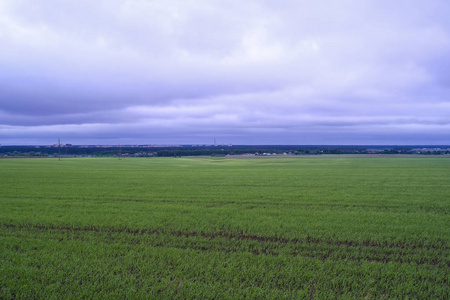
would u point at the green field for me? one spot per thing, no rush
(218, 228)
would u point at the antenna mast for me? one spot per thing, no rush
(59, 149)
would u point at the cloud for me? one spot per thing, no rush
(252, 72)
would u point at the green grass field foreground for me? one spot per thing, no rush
(218, 228)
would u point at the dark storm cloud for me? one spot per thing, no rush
(250, 72)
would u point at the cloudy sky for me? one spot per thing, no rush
(243, 72)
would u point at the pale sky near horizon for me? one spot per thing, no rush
(242, 72)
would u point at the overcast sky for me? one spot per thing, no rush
(243, 72)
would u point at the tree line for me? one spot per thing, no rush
(33, 151)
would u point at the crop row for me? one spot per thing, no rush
(123, 264)
(257, 245)
(280, 223)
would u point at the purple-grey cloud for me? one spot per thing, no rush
(363, 72)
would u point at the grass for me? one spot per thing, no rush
(309, 227)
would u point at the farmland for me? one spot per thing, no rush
(217, 228)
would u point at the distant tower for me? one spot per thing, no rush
(215, 144)
(59, 149)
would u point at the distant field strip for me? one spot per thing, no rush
(215, 228)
